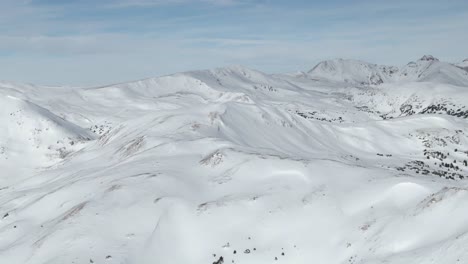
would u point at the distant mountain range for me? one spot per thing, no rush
(426, 69)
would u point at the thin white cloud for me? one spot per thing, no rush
(146, 3)
(274, 40)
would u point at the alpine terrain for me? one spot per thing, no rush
(347, 163)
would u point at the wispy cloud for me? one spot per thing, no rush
(146, 3)
(107, 41)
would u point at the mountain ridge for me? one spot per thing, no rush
(427, 68)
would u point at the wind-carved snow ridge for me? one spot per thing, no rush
(351, 162)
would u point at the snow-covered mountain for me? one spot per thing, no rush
(350, 162)
(426, 69)
(353, 71)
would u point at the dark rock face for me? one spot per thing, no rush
(375, 80)
(433, 109)
(219, 261)
(407, 109)
(428, 58)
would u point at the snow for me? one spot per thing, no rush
(347, 163)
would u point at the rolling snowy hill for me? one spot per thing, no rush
(350, 162)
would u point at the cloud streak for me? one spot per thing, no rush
(149, 3)
(97, 44)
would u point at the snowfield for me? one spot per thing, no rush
(348, 163)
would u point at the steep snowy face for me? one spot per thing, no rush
(353, 72)
(32, 136)
(233, 165)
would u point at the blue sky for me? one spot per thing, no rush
(94, 42)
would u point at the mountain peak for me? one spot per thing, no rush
(352, 71)
(428, 58)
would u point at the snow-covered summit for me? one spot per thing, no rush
(434, 71)
(352, 71)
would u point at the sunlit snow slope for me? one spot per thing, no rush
(350, 163)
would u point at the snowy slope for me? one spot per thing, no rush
(31, 135)
(233, 165)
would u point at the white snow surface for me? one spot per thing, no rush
(349, 163)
